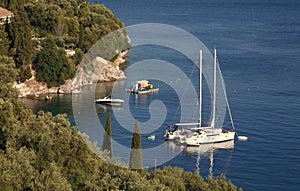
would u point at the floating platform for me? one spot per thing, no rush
(142, 91)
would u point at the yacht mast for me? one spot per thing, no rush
(200, 93)
(215, 90)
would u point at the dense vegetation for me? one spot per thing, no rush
(43, 152)
(41, 31)
(53, 66)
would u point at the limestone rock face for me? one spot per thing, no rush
(99, 70)
(31, 87)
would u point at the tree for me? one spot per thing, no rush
(4, 3)
(43, 152)
(136, 158)
(53, 67)
(3, 41)
(78, 56)
(19, 31)
(24, 74)
(8, 72)
(107, 136)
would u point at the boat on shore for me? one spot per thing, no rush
(108, 100)
(142, 87)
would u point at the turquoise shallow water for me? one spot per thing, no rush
(258, 47)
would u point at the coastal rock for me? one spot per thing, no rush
(99, 70)
(31, 87)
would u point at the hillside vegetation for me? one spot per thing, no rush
(41, 151)
(42, 32)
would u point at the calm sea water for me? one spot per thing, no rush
(258, 44)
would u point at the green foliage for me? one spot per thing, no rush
(96, 21)
(10, 106)
(78, 56)
(136, 140)
(49, 43)
(8, 72)
(107, 136)
(72, 24)
(24, 74)
(4, 3)
(19, 33)
(178, 179)
(51, 20)
(53, 67)
(43, 152)
(85, 23)
(3, 41)
(136, 158)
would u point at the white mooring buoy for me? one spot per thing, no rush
(242, 138)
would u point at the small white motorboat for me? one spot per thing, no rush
(107, 100)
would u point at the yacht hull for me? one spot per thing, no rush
(196, 140)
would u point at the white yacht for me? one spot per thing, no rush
(212, 133)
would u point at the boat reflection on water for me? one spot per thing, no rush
(173, 147)
(100, 108)
(207, 149)
(204, 150)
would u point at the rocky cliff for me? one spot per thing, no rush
(98, 70)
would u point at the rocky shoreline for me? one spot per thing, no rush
(102, 71)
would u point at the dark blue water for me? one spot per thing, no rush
(258, 44)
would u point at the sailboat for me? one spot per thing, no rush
(212, 133)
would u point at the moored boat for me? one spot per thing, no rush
(198, 134)
(212, 133)
(107, 100)
(142, 87)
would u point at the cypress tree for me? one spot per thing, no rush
(19, 31)
(107, 136)
(136, 158)
(3, 41)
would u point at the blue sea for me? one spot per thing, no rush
(258, 44)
